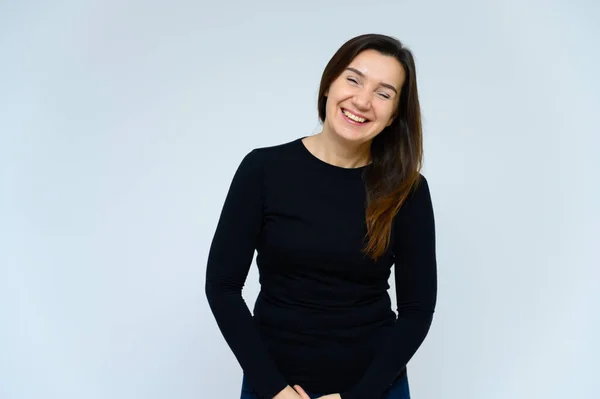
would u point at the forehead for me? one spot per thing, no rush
(378, 67)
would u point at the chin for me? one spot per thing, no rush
(351, 134)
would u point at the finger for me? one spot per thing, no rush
(303, 394)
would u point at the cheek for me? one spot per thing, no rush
(330, 109)
(338, 92)
(330, 105)
(333, 102)
(385, 113)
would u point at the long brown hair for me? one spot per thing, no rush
(396, 152)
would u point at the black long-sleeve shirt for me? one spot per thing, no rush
(323, 317)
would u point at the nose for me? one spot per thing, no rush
(362, 100)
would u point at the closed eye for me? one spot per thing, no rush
(381, 94)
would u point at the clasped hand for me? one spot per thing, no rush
(304, 395)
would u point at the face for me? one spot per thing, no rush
(362, 101)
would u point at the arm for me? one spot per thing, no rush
(229, 261)
(416, 293)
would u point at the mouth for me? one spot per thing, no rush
(354, 119)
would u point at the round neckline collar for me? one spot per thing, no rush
(327, 164)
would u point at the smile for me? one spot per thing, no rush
(354, 118)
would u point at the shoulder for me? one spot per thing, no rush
(419, 190)
(421, 186)
(270, 156)
(277, 150)
(418, 199)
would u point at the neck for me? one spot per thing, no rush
(339, 152)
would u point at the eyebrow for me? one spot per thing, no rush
(356, 71)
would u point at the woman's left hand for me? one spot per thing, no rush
(305, 395)
(301, 392)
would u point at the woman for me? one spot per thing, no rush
(328, 216)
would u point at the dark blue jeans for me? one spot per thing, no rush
(399, 390)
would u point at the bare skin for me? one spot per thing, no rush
(298, 393)
(304, 395)
(289, 393)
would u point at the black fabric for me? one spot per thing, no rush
(323, 318)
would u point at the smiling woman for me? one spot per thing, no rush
(329, 215)
(362, 96)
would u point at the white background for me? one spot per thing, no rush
(121, 126)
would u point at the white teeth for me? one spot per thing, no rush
(354, 117)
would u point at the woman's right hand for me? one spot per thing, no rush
(289, 393)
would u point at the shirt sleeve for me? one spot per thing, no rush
(229, 260)
(416, 293)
